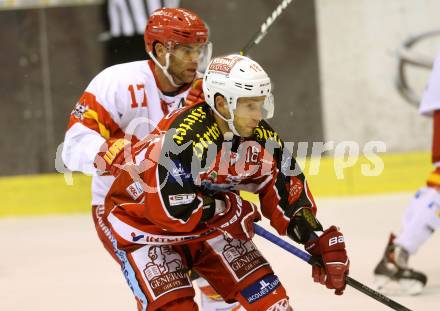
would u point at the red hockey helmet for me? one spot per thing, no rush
(171, 26)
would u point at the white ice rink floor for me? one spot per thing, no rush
(58, 263)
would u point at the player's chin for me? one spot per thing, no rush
(188, 76)
(247, 132)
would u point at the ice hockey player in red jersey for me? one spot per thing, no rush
(125, 102)
(177, 207)
(422, 217)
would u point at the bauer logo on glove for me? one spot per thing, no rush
(329, 248)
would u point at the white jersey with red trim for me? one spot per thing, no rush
(122, 99)
(431, 96)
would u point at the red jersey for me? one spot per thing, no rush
(189, 159)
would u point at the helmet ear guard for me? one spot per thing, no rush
(234, 77)
(269, 106)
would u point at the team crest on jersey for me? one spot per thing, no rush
(79, 110)
(294, 189)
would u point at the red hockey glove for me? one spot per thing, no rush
(238, 218)
(113, 154)
(330, 249)
(195, 94)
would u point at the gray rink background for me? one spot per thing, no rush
(57, 262)
(54, 52)
(333, 65)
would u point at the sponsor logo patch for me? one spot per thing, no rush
(136, 237)
(261, 288)
(264, 134)
(224, 64)
(282, 304)
(195, 115)
(180, 199)
(164, 270)
(135, 190)
(242, 257)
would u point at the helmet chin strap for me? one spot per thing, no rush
(232, 127)
(230, 121)
(165, 68)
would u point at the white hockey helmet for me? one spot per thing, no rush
(235, 76)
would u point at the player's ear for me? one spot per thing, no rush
(160, 52)
(220, 102)
(221, 105)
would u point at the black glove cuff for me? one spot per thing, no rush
(302, 226)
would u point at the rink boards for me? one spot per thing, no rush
(70, 193)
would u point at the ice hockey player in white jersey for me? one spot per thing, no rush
(124, 103)
(422, 217)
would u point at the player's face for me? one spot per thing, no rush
(248, 114)
(184, 59)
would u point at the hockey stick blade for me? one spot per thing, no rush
(309, 259)
(259, 35)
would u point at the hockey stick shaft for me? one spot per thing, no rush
(309, 259)
(259, 35)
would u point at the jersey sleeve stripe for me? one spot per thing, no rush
(95, 116)
(91, 114)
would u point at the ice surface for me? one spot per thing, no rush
(58, 263)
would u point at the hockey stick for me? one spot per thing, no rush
(307, 258)
(259, 35)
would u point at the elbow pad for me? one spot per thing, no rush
(302, 226)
